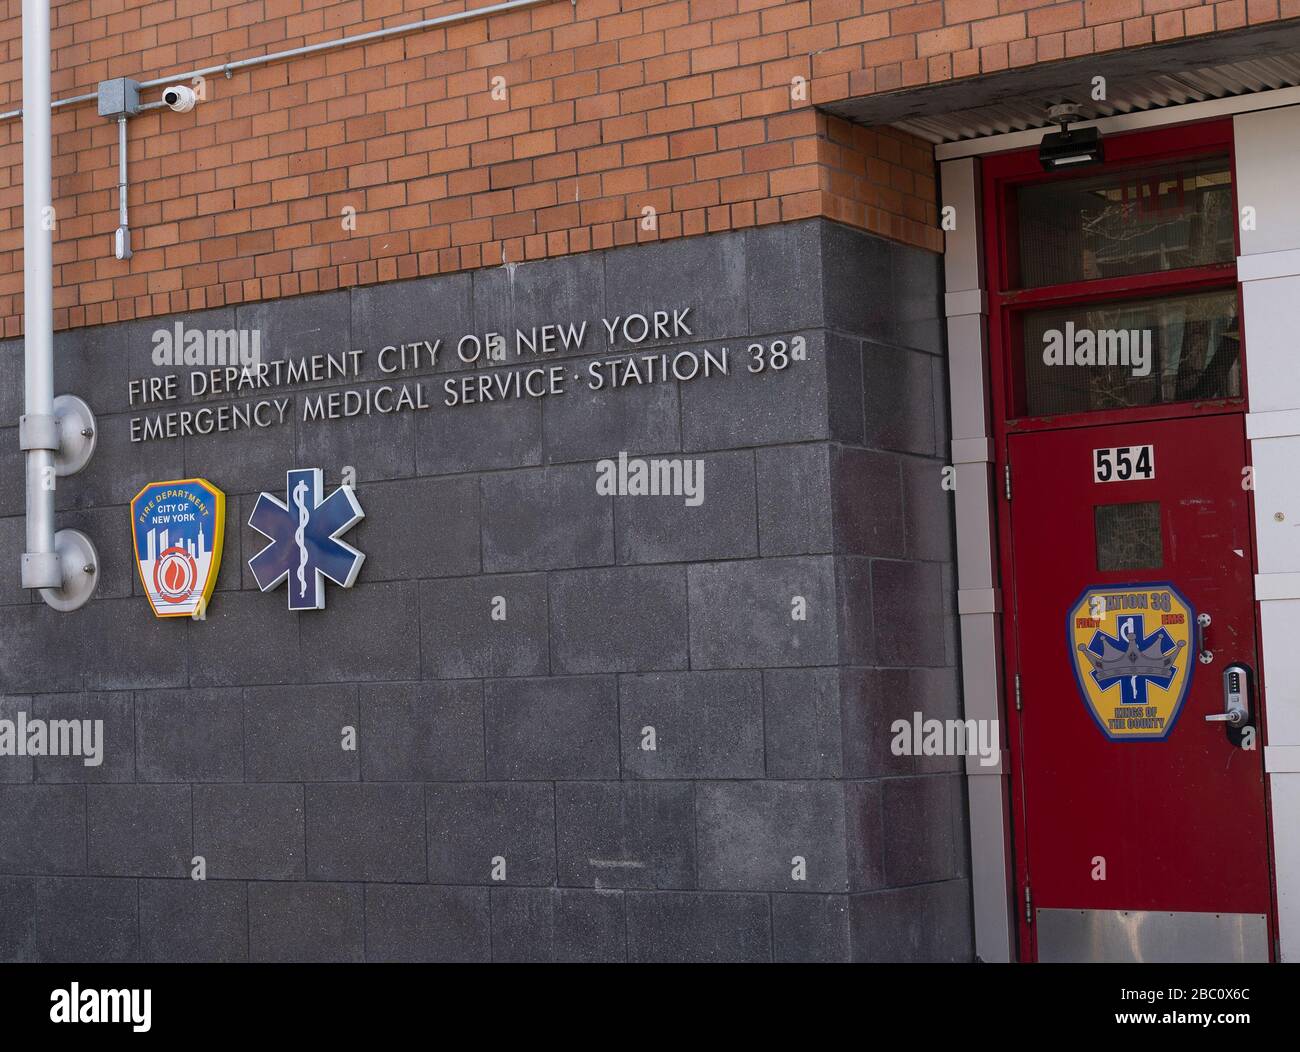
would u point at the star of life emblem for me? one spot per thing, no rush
(1131, 647)
(305, 549)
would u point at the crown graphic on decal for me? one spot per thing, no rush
(1113, 662)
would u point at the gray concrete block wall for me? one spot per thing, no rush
(501, 803)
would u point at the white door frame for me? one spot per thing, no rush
(1266, 133)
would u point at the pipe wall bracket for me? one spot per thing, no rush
(78, 567)
(69, 433)
(66, 577)
(76, 432)
(42, 570)
(37, 431)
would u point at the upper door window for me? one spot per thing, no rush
(1116, 224)
(1115, 288)
(1127, 353)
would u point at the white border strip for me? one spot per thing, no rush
(1264, 266)
(1278, 759)
(1275, 423)
(1276, 586)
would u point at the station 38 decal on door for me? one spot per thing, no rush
(1131, 646)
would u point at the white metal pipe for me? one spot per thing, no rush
(38, 282)
(57, 436)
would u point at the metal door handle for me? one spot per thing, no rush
(1236, 699)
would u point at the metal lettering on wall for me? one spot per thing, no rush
(229, 363)
(304, 549)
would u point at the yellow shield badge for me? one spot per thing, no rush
(1131, 646)
(177, 529)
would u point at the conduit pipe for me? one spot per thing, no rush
(57, 435)
(121, 240)
(228, 68)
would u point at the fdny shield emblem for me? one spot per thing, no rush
(177, 528)
(1131, 646)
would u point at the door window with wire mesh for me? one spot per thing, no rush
(1144, 352)
(1128, 536)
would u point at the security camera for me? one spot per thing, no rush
(180, 98)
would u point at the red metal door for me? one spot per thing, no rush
(1131, 800)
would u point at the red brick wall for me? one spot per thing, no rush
(683, 106)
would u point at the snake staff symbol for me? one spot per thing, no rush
(305, 539)
(300, 534)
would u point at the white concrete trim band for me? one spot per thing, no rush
(1261, 266)
(965, 303)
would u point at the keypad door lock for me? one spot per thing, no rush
(1238, 712)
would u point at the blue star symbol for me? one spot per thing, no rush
(1133, 685)
(305, 548)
